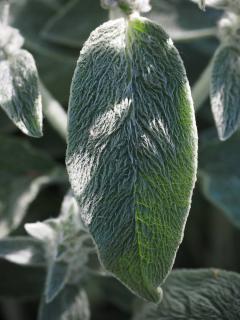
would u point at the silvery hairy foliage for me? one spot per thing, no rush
(135, 172)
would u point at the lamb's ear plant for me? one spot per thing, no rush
(131, 158)
(20, 94)
(132, 147)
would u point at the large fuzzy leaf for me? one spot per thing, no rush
(132, 149)
(20, 95)
(225, 95)
(197, 294)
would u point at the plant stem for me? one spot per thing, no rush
(185, 36)
(54, 112)
(4, 12)
(200, 90)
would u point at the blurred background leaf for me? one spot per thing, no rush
(196, 294)
(219, 173)
(23, 173)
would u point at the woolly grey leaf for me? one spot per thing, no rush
(56, 280)
(197, 294)
(132, 148)
(67, 247)
(20, 95)
(225, 95)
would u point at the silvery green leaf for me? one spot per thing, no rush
(20, 96)
(67, 247)
(220, 174)
(23, 173)
(73, 23)
(56, 280)
(197, 294)
(225, 94)
(69, 206)
(70, 304)
(132, 149)
(23, 251)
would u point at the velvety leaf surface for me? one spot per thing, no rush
(70, 304)
(20, 96)
(56, 280)
(67, 245)
(23, 172)
(220, 173)
(197, 294)
(23, 251)
(132, 148)
(225, 95)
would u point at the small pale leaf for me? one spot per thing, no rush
(41, 231)
(132, 148)
(197, 294)
(23, 251)
(20, 96)
(225, 94)
(56, 280)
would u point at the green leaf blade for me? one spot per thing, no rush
(132, 150)
(225, 97)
